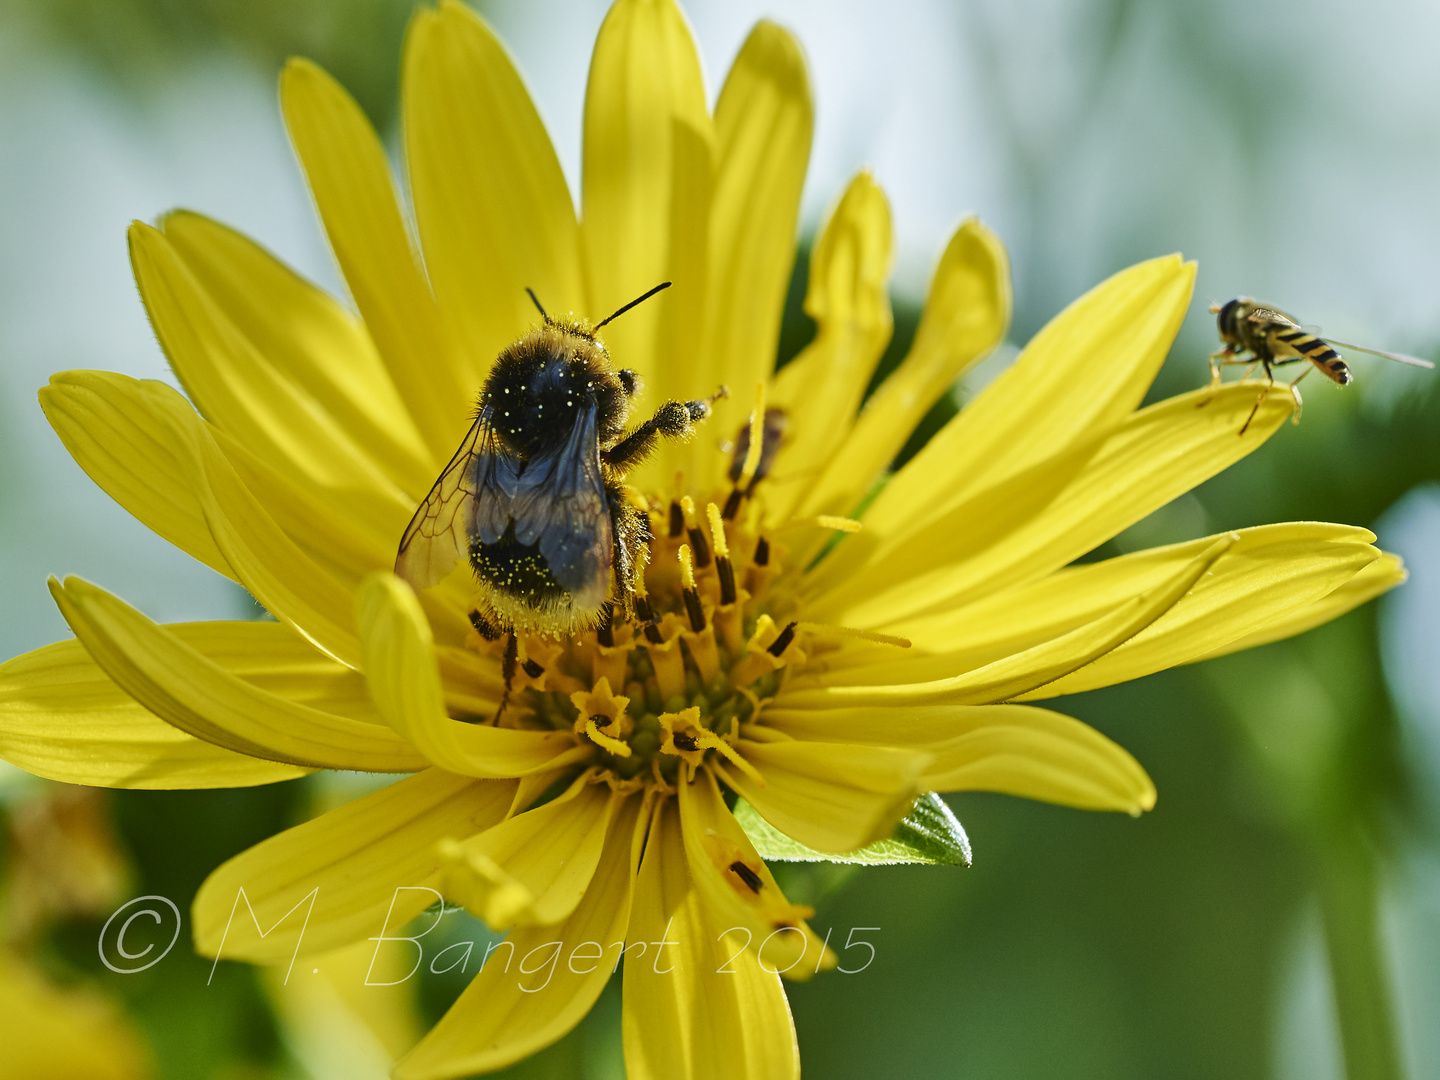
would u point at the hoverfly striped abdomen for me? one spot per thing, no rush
(1318, 351)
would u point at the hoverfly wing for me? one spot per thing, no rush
(439, 535)
(1399, 358)
(560, 503)
(1270, 319)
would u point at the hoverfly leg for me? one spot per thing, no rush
(1295, 393)
(508, 667)
(1226, 357)
(1269, 385)
(1222, 356)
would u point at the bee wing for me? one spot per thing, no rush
(560, 503)
(1399, 358)
(461, 502)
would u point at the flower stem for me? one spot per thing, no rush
(1350, 881)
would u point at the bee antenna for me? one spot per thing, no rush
(638, 300)
(536, 301)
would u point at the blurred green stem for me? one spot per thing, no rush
(1350, 903)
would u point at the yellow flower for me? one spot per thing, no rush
(827, 685)
(52, 1031)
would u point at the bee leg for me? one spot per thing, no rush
(484, 627)
(1269, 383)
(1295, 393)
(676, 419)
(508, 668)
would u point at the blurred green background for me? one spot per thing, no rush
(1277, 915)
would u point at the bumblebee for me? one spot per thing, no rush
(535, 497)
(1272, 339)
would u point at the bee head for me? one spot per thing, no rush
(545, 383)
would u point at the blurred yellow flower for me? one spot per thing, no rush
(51, 1033)
(61, 859)
(827, 685)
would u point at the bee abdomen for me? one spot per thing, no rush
(516, 570)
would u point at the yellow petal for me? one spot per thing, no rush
(63, 718)
(1379, 577)
(830, 796)
(1012, 749)
(645, 82)
(697, 1003)
(532, 869)
(310, 338)
(745, 899)
(399, 664)
(966, 316)
(234, 385)
(491, 203)
(680, 350)
(1243, 595)
(820, 390)
(134, 462)
(131, 436)
(977, 547)
(541, 981)
(185, 688)
(347, 533)
(373, 865)
(1012, 620)
(764, 120)
(142, 442)
(354, 193)
(287, 582)
(1022, 672)
(333, 1020)
(1080, 376)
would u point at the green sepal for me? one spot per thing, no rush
(930, 834)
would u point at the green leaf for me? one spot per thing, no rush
(929, 834)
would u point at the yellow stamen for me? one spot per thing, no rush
(717, 531)
(822, 521)
(733, 756)
(757, 440)
(599, 738)
(850, 631)
(761, 733)
(687, 568)
(698, 543)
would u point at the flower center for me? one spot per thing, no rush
(712, 635)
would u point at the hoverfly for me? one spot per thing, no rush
(535, 497)
(1273, 339)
